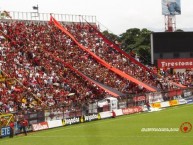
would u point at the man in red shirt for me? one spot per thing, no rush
(11, 125)
(23, 124)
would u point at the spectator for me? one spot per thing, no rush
(11, 125)
(23, 125)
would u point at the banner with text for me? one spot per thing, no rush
(175, 63)
(40, 126)
(132, 110)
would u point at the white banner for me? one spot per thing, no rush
(118, 112)
(54, 123)
(165, 104)
(106, 114)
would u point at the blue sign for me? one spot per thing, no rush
(5, 131)
(171, 7)
(189, 101)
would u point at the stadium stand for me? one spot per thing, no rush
(40, 66)
(47, 79)
(88, 36)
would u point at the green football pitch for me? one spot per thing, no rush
(123, 130)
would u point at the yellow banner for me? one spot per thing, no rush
(156, 105)
(173, 102)
(5, 119)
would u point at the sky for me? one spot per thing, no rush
(115, 15)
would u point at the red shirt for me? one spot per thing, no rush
(24, 123)
(11, 125)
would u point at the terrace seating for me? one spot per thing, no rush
(47, 79)
(87, 35)
(31, 78)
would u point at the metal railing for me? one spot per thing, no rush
(14, 15)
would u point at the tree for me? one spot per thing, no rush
(110, 36)
(179, 30)
(129, 39)
(134, 41)
(137, 41)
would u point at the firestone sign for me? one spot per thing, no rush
(175, 63)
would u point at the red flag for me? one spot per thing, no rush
(51, 20)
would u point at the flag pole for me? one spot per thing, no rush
(37, 10)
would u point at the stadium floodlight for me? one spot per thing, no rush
(35, 7)
(35, 14)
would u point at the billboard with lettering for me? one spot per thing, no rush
(5, 131)
(181, 63)
(175, 45)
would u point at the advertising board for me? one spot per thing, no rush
(171, 7)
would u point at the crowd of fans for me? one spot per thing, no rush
(88, 36)
(30, 78)
(32, 75)
(35, 78)
(183, 78)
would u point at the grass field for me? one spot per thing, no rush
(124, 130)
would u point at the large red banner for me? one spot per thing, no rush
(175, 63)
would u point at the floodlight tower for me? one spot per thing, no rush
(170, 8)
(170, 23)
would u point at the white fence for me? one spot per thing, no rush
(46, 16)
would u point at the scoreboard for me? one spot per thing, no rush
(171, 45)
